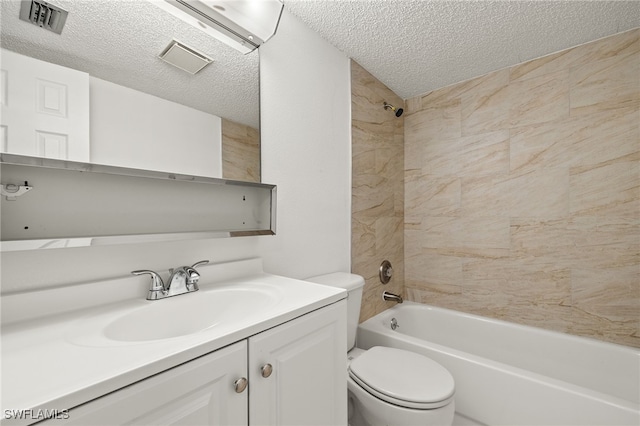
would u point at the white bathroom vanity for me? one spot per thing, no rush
(248, 348)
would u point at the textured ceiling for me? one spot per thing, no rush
(120, 40)
(413, 46)
(417, 46)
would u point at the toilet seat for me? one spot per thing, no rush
(403, 378)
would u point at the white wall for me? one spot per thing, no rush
(305, 97)
(305, 127)
(48, 268)
(134, 129)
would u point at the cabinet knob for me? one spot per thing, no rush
(241, 384)
(266, 370)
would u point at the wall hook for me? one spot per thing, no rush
(11, 191)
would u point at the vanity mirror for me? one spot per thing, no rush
(163, 153)
(143, 112)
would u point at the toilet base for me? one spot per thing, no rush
(355, 416)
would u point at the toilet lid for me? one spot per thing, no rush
(403, 378)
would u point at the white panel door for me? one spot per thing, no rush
(44, 109)
(308, 382)
(200, 392)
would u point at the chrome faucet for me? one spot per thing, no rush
(182, 280)
(391, 297)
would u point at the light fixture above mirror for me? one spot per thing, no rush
(241, 24)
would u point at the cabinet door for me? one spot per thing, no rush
(308, 382)
(200, 392)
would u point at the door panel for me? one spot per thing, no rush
(308, 385)
(44, 109)
(200, 392)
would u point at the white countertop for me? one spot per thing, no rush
(55, 354)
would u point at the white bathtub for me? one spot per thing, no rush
(509, 374)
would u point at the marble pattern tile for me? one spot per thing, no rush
(412, 105)
(240, 152)
(413, 154)
(606, 243)
(486, 153)
(622, 45)
(543, 193)
(445, 296)
(584, 323)
(390, 237)
(429, 266)
(438, 122)
(465, 233)
(607, 84)
(367, 198)
(608, 293)
(444, 95)
(363, 238)
(544, 240)
(431, 195)
(377, 188)
(549, 316)
(609, 189)
(485, 108)
(528, 279)
(522, 193)
(539, 99)
(589, 139)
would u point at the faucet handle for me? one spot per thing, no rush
(157, 285)
(202, 262)
(156, 280)
(192, 276)
(190, 268)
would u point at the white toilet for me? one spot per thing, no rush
(389, 386)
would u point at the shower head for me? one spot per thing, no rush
(398, 111)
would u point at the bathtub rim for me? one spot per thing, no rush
(377, 324)
(573, 337)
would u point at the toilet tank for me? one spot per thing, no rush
(353, 284)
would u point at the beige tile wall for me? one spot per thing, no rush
(522, 193)
(240, 152)
(378, 188)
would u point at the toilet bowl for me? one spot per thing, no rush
(396, 387)
(390, 386)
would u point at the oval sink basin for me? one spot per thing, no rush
(189, 313)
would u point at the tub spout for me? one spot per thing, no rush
(391, 297)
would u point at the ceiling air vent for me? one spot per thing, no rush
(44, 15)
(184, 57)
